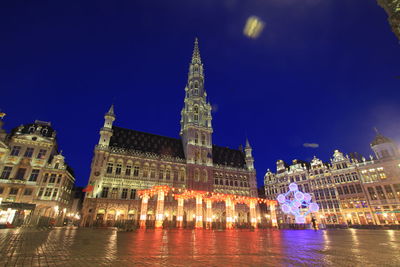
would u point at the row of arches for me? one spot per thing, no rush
(231, 183)
(145, 170)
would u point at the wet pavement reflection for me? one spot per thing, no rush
(107, 247)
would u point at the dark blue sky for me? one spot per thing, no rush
(322, 71)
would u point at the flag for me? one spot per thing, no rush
(89, 188)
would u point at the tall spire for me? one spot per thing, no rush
(196, 52)
(111, 110)
(247, 142)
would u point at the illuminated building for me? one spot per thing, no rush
(35, 181)
(348, 190)
(392, 8)
(184, 175)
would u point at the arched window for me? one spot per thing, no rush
(153, 171)
(146, 170)
(110, 166)
(204, 157)
(161, 173)
(216, 181)
(196, 156)
(182, 175)
(168, 173)
(226, 182)
(203, 139)
(196, 175)
(231, 183)
(205, 176)
(221, 182)
(196, 137)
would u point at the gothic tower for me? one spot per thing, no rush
(196, 130)
(106, 130)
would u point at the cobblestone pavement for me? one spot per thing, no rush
(107, 247)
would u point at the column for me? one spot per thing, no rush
(393, 216)
(229, 216)
(143, 211)
(375, 217)
(179, 216)
(233, 212)
(160, 209)
(209, 214)
(253, 215)
(199, 211)
(274, 221)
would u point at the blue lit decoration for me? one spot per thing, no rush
(294, 200)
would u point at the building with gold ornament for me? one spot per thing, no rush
(137, 176)
(35, 181)
(350, 189)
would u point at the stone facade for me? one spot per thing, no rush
(35, 181)
(126, 161)
(392, 8)
(349, 189)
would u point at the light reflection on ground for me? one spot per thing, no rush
(107, 247)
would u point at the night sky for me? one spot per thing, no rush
(322, 71)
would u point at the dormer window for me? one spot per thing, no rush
(31, 129)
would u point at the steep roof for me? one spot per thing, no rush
(228, 157)
(162, 145)
(145, 142)
(380, 139)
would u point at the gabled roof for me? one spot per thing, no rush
(39, 127)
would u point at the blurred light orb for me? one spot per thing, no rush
(253, 28)
(299, 195)
(294, 210)
(313, 207)
(300, 219)
(281, 198)
(285, 208)
(293, 187)
(296, 203)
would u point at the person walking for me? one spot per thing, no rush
(314, 223)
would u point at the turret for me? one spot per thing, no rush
(384, 147)
(249, 157)
(3, 133)
(106, 131)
